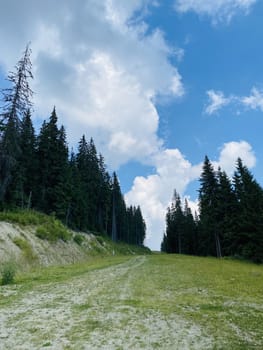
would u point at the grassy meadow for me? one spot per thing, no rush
(135, 302)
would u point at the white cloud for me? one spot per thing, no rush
(218, 10)
(217, 100)
(154, 192)
(233, 150)
(173, 171)
(95, 61)
(255, 100)
(102, 68)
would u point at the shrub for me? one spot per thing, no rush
(52, 231)
(8, 272)
(24, 217)
(25, 247)
(100, 240)
(78, 239)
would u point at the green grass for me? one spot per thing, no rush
(53, 230)
(24, 217)
(56, 274)
(120, 248)
(26, 248)
(222, 298)
(48, 227)
(8, 271)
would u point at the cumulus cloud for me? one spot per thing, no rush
(218, 10)
(154, 192)
(233, 150)
(96, 61)
(217, 100)
(174, 171)
(104, 70)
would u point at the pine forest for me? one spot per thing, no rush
(38, 171)
(230, 220)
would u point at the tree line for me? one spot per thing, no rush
(38, 171)
(230, 220)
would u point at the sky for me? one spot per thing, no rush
(157, 84)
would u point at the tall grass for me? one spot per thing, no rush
(48, 227)
(24, 217)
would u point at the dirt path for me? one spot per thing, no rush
(95, 311)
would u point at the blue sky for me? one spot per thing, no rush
(157, 84)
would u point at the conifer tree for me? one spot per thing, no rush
(140, 227)
(119, 219)
(104, 196)
(208, 202)
(248, 239)
(226, 213)
(189, 231)
(173, 240)
(36, 172)
(27, 161)
(52, 156)
(17, 101)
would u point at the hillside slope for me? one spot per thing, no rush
(20, 243)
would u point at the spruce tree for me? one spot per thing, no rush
(27, 162)
(104, 196)
(189, 231)
(226, 213)
(52, 156)
(248, 239)
(140, 227)
(174, 236)
(17, 100)
(209, 243)
(119, 219)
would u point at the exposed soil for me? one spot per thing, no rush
(94, 311)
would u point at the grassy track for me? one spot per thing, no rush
(142, 302)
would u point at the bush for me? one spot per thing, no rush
(52, 231)
(8, 272)
(24, 217)
(78, 239)
(100, 240)
(26, 248)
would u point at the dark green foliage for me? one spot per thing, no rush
(16, 99)
(26, 248)
(208, 205)
(78, 239)
(119, 219)
(53, 230)
(52, 177)
(36, 172)
(230, 221)
(180, 236)
(24, 217)
(27, 162)
(232, 214)
(227, 213)
(248, 236)
(136, 225)
(8, 271)
(88, 176)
